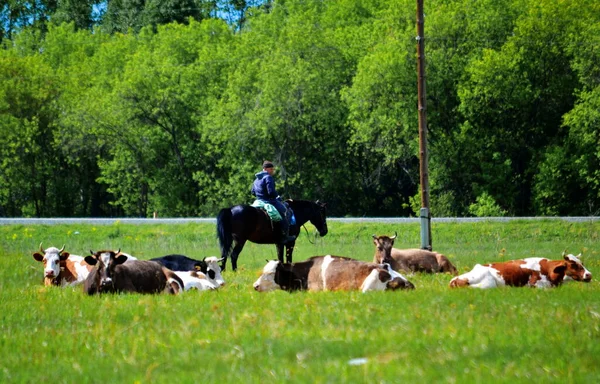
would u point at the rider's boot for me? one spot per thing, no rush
(285, 231)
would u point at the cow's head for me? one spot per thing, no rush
(105, 262)
(52, 258)
(277, 275)
(575, 269)
(213, 270)
(266, 282)
(383, 248)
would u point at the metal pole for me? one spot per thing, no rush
(425, 213)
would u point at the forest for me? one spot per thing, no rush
(123, 108)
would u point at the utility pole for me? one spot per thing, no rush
(424, 212)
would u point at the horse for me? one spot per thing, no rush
(241, 223)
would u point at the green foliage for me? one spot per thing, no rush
(171, 106)
(486, 206)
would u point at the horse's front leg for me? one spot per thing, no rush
(289, 249)
(280, 252)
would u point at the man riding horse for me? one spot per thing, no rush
(264, 190)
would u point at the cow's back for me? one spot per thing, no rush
(139, 276)
(414, 260)
(334, 273)
(180, 263)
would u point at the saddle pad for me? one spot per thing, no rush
(269, 208)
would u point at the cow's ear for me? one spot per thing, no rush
(560, 269)
(120, 260)
(91, 260)
(384, 276)
(64, 256)
(38, 256)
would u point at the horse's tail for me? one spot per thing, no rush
(224, 233)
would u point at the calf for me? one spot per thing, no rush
(535, 272)
(410, 260)
(62, 268)
(330, 273)
(114, 273)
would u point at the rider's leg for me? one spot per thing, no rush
(285, 225)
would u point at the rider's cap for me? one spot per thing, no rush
(267, 164)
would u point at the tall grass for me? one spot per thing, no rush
(431, 334)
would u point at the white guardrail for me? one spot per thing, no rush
(385, 220)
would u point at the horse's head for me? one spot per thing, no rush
(318, 218)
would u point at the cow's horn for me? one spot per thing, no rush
(62, 249)
(375, 237)
(42, 249)
(92, 252)
(395, 235)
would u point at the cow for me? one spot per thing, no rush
(410, 260)
(576, 271)
(209, 266)
(537, 272)
(210, 279)
(181, 263)
(114, 273)
(330, 273)
(61, 268)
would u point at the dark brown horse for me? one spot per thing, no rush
(241, 223)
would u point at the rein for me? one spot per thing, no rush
(307, 235)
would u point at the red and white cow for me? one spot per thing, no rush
(535, 272)
(330, 273)
(61, 268)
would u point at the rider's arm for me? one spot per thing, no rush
(270, 183)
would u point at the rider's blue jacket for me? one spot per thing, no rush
(264, 187)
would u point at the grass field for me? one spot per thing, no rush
(429, 335)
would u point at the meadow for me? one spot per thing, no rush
(429, 335)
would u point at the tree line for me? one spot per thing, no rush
(129, 107)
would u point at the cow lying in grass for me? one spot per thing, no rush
(330, 273)
(410, 260)
(189, 270)
(210, 279)
(62, 268)
(113, 273)
(535, 272)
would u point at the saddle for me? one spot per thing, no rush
(270, 210)
(273, 213)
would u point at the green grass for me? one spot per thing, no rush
(431, 334)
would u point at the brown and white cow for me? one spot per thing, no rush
(330, 273)
(61, 268)
(410, 260)
(535, 272)
(114, 273)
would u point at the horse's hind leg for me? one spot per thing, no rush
(235, 253)
(280, 253)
